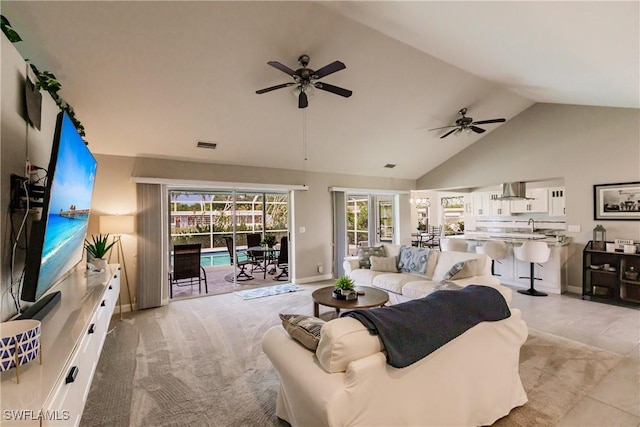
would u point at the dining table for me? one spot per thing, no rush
(269, 256)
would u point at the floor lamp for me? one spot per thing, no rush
(117, 225)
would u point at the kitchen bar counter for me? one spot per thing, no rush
(513, 238)
(512, 271)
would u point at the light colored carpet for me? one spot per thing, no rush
(199, 362)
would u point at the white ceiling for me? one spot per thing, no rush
(152, 78)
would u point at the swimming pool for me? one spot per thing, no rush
(208, 259)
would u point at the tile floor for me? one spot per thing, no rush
(615, 401)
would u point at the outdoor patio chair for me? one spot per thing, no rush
(283, 259)
(186, 266)
(233, 256)
(257, 257)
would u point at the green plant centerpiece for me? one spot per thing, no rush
(422, 226)
(269, 240)
(344, 288)
(97, 249)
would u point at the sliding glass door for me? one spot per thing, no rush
(226, 225)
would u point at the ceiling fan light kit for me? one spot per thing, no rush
(306, 80)
(466, 125)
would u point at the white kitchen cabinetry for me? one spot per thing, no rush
(71, 342)
(499, 207)
(481, 204)
(538, 202)
(556, 201)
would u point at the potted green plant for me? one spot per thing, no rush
(344, 288)
(269, 240)
(422, 226)
(97, 249)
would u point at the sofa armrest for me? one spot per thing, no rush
(350, 263)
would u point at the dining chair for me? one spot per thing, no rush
(186, 266)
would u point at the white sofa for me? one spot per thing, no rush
(402, 287)
(470, 381)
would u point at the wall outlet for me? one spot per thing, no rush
(320, 268)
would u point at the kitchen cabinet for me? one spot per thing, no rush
(556, 201)
(538, 202)
(498, 207)
(480, 204)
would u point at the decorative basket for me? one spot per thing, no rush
(19, 344)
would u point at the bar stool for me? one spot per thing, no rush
(455, 245)
(533, 253)
(494, 249)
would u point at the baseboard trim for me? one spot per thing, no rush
(312, 279)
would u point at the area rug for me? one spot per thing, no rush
(268, 291)
(199, 362)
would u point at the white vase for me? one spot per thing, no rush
(98, 263)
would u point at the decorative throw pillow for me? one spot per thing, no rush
(445, 285)
(462, 270)
(304, 329)
(384, 264)
(413, 260)
(365, 252)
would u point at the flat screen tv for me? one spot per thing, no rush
(56, 241)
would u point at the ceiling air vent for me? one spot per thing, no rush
(208, 145)
(389, 166)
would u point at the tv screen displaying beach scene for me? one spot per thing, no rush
(72, 172)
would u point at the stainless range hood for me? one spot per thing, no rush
(514, 191)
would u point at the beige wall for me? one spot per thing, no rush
(582, 145)
(115, 193)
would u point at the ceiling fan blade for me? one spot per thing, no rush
(333, 89)
(443, 127)
(449, 133)
(329, 69)
(303, 102)
(283, 68)
(269, 89)
(484, 122)
(476, 129)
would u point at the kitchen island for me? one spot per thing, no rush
(510, 271)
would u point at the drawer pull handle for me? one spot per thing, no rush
(71, 376)
(110, 287)
(92, 328)
(103, 303)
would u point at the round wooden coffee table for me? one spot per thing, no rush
(372, 298)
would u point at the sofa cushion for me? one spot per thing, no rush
(447, 259)
(304, 329)
(384, 264)
(344, 340)
(364, 276)
(445, 285)
(394, 282)
(462, 270)
(364, 252)
(391, 249)
(413, 260)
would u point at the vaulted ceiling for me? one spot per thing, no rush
(152, 78)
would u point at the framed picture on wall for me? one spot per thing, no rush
(616, 201)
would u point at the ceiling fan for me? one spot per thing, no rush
(306, 80)
(465, 123)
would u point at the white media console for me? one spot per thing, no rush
(54, 393)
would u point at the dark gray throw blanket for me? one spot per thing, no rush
(411, 330)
